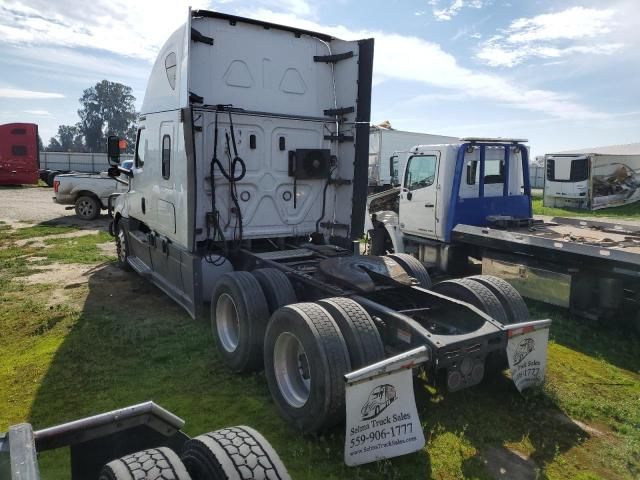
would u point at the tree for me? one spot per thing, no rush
(66, 134)
(107, 109)
(68, 139)
(54, 145)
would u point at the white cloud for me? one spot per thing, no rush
(437, 68)
(577, 30)
(454, 8)
(131, 29)
(38, 113)
(15, 93)
(135, 29)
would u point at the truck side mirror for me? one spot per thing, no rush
(114, 145)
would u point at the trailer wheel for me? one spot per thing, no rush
(474, 293)
(360, 333)
(153, 464)
(122, 246)
(234, 453)
(508, 296)
(306, 359)
(87, 208)
(413, 267)
(276, 287)
(239, 315)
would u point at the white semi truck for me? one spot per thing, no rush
(245, 204)
(471, 200)
(388, 153)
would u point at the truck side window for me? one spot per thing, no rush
(166, 157)
(493, 172)
(141, 147)
(18, 150)
(421, 172)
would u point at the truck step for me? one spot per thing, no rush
(139, 266)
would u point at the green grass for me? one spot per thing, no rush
(630, 211)
(117, 341)
(8, 234)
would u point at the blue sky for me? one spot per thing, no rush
(564, 74)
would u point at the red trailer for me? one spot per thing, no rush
(19, 155)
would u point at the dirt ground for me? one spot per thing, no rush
(35, 205)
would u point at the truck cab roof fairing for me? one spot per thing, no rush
(162, 92)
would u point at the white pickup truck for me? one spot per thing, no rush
(89, 193)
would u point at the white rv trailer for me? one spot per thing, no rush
(389, 151)
(593, 178)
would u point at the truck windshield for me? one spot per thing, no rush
(421, 171)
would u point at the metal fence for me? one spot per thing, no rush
(76, 162)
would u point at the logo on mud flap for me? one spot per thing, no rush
(380, 398)
(525, 347)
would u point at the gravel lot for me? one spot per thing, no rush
(35, 205)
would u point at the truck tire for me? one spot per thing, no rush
(234, 453)
(239, 315)
(474, 293)
(414, 268)
(153, 464)
(122, 246)
(360, 333)
(87, 208)
(51, 177)
(306, 359)
(509, 297)
(276, 287)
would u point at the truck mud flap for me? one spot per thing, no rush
(382, 419)
(527, 352)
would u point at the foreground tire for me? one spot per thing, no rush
(153, 464)
(509, 297)
(414, 268)
(276, 287)
(239, 315)
(474, 293)
(234, 453)
(122, 246)
(360, 333)
(306, 359)
(87, 208)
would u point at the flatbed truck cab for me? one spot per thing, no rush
(472, 200)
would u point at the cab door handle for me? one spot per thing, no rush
(429, 205)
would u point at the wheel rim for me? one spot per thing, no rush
(122, 251)
(292, 369)
(227, 322)
(85, 208)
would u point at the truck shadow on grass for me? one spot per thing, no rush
(497, 432)
(100, 223)
(130, 343)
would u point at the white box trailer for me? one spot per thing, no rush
(388, 153)
(593, 179)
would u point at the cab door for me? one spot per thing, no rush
(419, 195)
